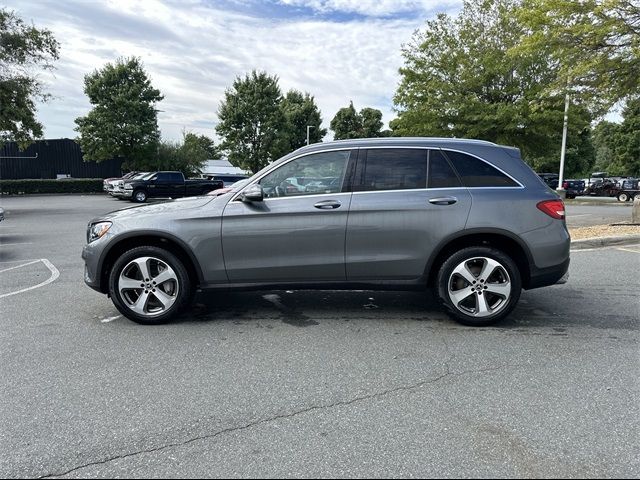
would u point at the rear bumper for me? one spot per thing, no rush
(543, 277)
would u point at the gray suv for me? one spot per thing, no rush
(468, 218)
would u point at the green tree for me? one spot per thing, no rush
(24, 49)
(300, 110)
(618, 144)
(595, 43)
(605, 134)
(459, 81)
(188, 156)
(252, 123)
(347, 123)
(123, 121)
(371, 122)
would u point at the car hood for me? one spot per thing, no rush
(179, 205)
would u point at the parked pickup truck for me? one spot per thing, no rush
(167, 184)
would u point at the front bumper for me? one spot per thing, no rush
(91, 274)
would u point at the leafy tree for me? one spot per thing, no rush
(299, 112)
(618, 144)
(347, 123)
(459, 81)
(252, 122)
(371, 122)
(24, 49)
(188, 156)
(596, 44)
(123, 121)
(605, 134)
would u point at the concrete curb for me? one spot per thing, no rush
(599, 242)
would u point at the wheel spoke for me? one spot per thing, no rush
(126, 283)
(165, 275)
(459, 295)
(501, 289)
(488, 268)
(141, 304)
(143, 266)
(163, 298)
(464, 272)
(482, 307)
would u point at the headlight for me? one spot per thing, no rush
(128, 186)
(97, 230)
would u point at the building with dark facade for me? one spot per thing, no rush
(52, 159)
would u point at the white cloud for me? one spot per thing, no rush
(193, 51)
(373, 8)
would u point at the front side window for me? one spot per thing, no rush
(478, 173)
(395, 169)
(312, 174)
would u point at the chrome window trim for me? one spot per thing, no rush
(488, 163)
(304, 154)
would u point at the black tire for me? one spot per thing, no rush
(623, 197)
(571, 197)
(182, 294)
(503, 307)
(139, 196)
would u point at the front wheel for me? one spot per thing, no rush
(479, 286)
(140, 196)
(149, 285)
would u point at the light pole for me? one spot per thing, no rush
(308, 127)
(561, 191)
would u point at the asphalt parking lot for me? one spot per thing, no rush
(308, 384)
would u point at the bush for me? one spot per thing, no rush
(69, 185)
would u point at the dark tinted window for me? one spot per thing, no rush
(477, 173)
(395, 169)
(169, 177)
(441, 175)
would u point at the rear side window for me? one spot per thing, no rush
(395, 169)
(441, 175)
(477, 173)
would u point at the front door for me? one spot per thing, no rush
(297, 233)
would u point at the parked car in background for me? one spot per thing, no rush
(468, 218)
(1, 214)
(108, 184)
(573, 188)
(227, 179)
(602, 187)
(551, 179)
(629, 190)
(118, 189)
(167, 184)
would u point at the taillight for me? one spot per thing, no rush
(553, 208)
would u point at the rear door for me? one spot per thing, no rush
(398, 216)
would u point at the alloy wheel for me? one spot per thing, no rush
(479, 287)
(148, 286)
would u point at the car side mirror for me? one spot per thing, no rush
(253, 193)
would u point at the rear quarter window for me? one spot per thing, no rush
(395, 169)
(477, 173)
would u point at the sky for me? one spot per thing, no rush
(337, 50)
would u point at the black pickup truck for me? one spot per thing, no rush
(168, 184)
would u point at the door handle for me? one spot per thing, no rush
(443, 200)
(328, 204)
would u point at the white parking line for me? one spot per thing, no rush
(17, 243)
(630, 249)
(19, 266)
(54, 276)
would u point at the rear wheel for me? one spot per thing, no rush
(149, 285)
(479, 286)
(623, 197)
(636, 196)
